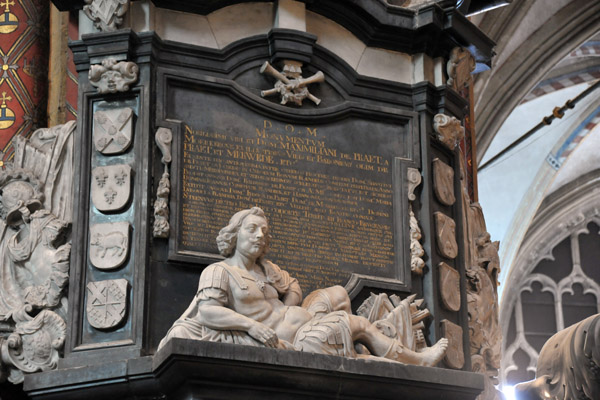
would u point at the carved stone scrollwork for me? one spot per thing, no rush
(107, 303)
(107, 15)
(416, 249)
(414, 179)
(33, 252)
(449, 130)
(161, 228)
(112, 76)
(290, 85)
(35, 343)
(459, 68)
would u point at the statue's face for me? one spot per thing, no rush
(251, 239)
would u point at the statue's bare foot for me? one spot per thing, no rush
(432, 355)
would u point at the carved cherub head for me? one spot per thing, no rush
(227, 239)
(112, 76)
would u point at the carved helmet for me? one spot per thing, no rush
(19, 188)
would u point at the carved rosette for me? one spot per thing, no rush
(445, 229)
(112, 76)
(455, 356)
(161, 227)
(443, 182)
(107, 15)
(459, 68)
(111, 187)
(107, 303)
(449, 130)
(109, 244)
(113, 130)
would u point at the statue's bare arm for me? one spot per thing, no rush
(214, 315)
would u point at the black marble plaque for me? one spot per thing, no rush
(328, 188)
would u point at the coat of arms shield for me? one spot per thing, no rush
(111, 187)
(113, 130)
(106, 303)
(443, 182)
(109, 244)
(445, 229)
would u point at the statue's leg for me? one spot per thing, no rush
(382, 346)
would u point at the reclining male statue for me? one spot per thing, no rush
(246, 299)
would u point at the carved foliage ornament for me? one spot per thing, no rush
(445, 229)
(107, 303)
(459, 68)
(161, 227)
(109, 244)
(290, 85)
(111, 187)
(443, 182)
(112, 76)
(449, 130)
(113, 130)
(107, 15)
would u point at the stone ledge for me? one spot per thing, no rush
(186, 369)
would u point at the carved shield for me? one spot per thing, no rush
(109, 244)
(443, 182)
(455, 356)
(113, 130)
(111, 187)
(449, 287)
(445, 229)
(107, 303)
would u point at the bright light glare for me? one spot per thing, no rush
(509, 392)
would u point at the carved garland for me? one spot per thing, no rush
(161, 227)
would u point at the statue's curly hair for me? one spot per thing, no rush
(227, 238)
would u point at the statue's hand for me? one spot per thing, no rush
(264, 334)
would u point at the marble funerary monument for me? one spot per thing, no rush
(347, 123)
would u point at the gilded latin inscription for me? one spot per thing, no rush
(331, 210)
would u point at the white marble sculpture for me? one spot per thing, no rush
(111, 76)
(246, 299)
(290, 85)
(35, 207)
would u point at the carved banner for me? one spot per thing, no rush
(109, 244)
(113, 130)
(445, 229)
(106, 303)
(443, 182)
(449, 286)
(455, 356)
(111, 187)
